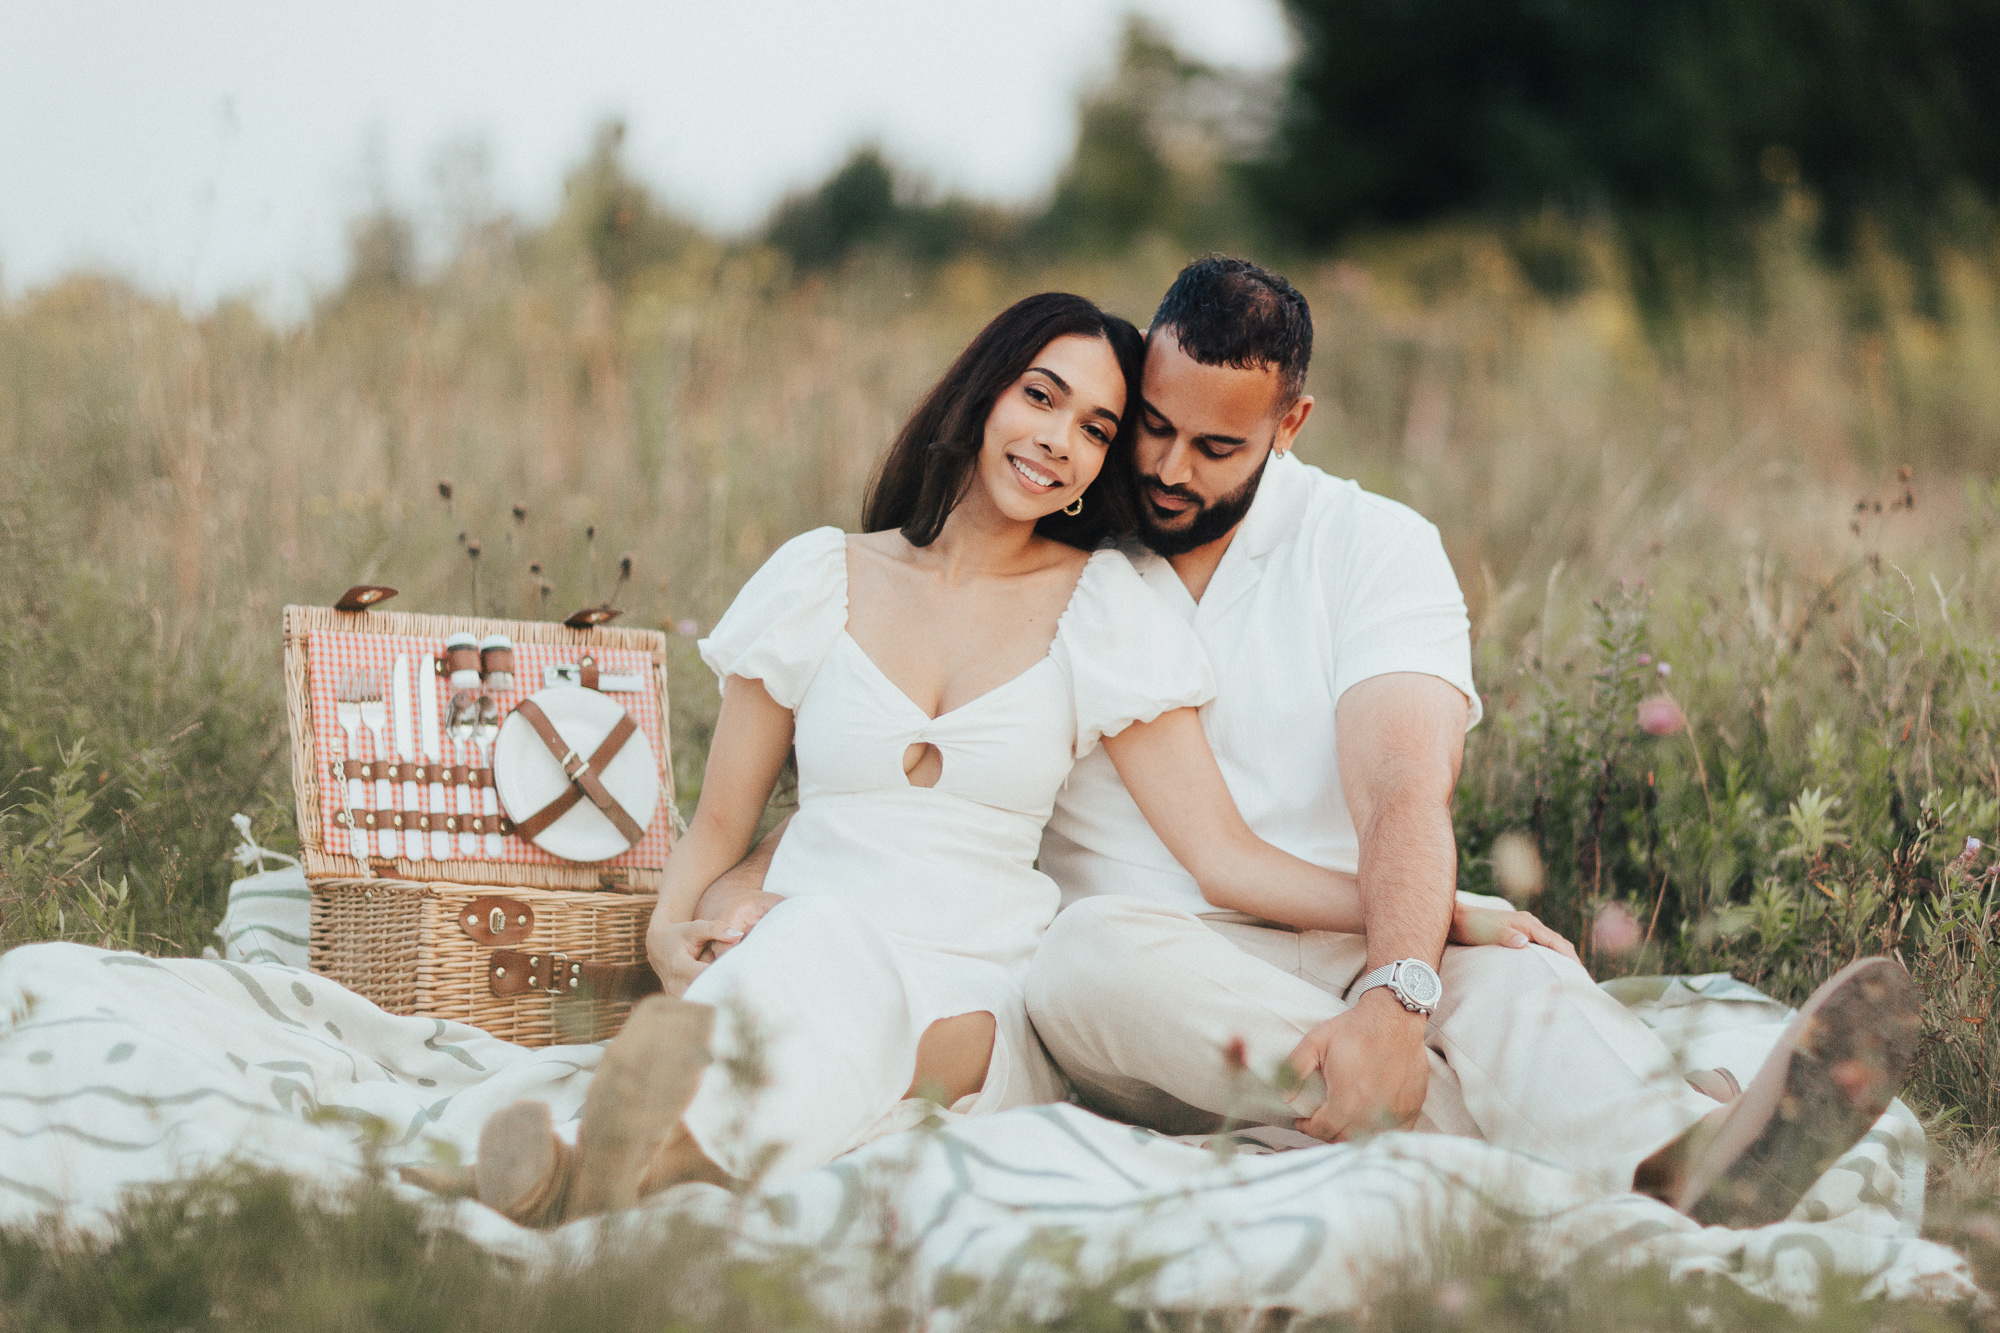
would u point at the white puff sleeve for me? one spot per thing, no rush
(1129, 657)
(784, 622)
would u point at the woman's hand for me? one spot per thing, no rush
(1472, 924)
(739, 914)
(675, 949)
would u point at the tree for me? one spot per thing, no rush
(1690, 113)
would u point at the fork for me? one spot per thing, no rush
(375, 716)
(347, 711)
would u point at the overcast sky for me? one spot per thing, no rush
(211, 147)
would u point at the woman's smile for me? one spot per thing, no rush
(1033, 479)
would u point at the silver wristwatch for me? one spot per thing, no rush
(1410, 980)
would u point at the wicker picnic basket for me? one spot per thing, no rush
(523, 945)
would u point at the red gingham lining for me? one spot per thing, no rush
(333, 655)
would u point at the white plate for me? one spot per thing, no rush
(527, 777)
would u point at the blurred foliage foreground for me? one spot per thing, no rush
(1731, 567)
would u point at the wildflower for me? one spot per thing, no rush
(1517, 865)
(1972, 846)
(1661, 716)
(1666, 668)
(1453, 1298)
(1236, 1055)
(1616, 930)
(688, 629)
(1645, 659)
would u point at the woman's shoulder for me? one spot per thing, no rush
(1130, 656)
(815, 546)
(786, 616)
(1112, 598)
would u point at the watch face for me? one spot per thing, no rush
(1418, 984)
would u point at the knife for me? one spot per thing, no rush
(406, 752)
(610, 682)
(433, 743)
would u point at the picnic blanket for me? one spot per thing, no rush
(119, 1070)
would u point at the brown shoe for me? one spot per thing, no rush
(1717, 1084)
(524, 1171)
(1834, 1072)
(650, 1073)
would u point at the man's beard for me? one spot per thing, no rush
(1211, 520)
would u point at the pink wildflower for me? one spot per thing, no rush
(1616, 930)
(1661, 716)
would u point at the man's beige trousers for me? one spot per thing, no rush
(1141, 1004)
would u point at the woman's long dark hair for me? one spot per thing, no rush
(932, 462)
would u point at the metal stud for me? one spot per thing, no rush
(499, 971)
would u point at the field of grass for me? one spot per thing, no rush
(1770, 510)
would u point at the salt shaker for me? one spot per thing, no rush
(496, 660)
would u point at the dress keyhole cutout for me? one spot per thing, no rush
(923, 765)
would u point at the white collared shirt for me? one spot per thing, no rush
(1324, 586)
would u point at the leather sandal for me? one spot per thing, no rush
(524, 1171)
(1841, 1061)
(1717, 1084)
(650, 1074)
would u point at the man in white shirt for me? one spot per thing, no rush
(1342, 657)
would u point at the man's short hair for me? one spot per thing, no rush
(1230, 312)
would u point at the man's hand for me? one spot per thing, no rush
(1514, 930)
(740, 911)
(1375, 1066)
(675, 949)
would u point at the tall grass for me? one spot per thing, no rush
(1797, 474)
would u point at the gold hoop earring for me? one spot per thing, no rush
(1074, 507)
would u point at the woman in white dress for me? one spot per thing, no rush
(937, 677)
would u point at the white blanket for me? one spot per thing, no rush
(117, 1070)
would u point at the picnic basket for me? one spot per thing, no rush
(524, 945)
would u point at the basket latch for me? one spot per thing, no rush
(495, 920)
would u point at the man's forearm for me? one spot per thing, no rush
(1409, 869)
(746, 876)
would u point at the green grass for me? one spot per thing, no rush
(247, 1250)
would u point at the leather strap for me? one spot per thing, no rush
(586, 672)
(512, 972)
(451, 775)
(423, 821)
(583, 780)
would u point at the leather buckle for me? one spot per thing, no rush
(582, 765)
(564, 976)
